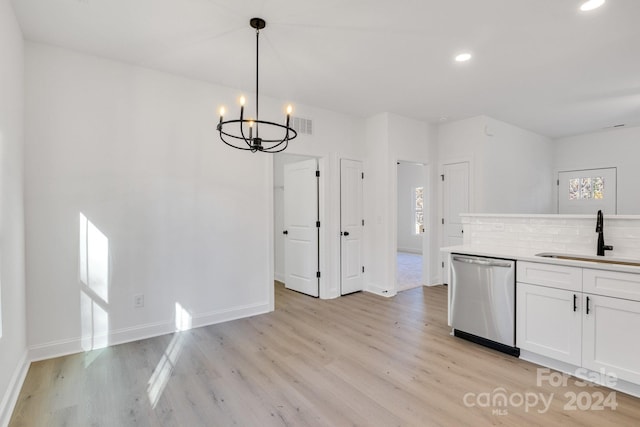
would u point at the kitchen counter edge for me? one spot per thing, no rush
(530, 256)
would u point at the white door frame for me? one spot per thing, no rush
(426, 236)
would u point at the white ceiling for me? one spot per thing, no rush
(540, 64)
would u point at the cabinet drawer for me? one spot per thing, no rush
(612, 283)
(551, 275)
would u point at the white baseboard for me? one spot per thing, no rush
(375, 289)
(279, 277)
(120, 336)
(10, 397)
(435, 282)
(220, 316)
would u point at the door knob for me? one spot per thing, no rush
(285, 232)
(346, 233)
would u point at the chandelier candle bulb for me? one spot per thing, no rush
(289, 109)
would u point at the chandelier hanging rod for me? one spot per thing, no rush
(255, 143)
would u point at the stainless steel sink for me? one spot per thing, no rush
(589, 258)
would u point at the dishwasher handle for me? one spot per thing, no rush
(484, 262)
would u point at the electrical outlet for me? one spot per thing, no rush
(138, 301)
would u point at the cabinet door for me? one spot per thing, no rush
(610, 339)
(547, 322)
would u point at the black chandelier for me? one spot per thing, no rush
(247, 134)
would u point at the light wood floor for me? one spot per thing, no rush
(356, 360)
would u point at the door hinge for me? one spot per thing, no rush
(318, 274)
(362, 174)
(318, 224)
(558, 182)
(442, 221)
(317, 173)
(363, 222)
(442, 264)
(442, 177)
(363, 268)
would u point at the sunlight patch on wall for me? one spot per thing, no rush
(94, 292)
(94, 258)
(183, 318)
(95, 323)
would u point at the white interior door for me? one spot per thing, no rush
(586, 191)
(351, 225)
(456, 201)
(301, 231)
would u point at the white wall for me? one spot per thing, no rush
(13, 347)
(390, 138)
(410, 176)
(512, 167)
(612, 148)
(173, 213)
(378, 245)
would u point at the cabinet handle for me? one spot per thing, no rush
(575, 302)
(587, 305)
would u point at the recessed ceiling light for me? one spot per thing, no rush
(591, 4)
(463, 57)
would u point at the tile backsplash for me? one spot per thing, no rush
(553, 233)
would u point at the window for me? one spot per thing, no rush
(586, 188)
(418, 209)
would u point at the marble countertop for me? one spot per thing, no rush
(530, 255)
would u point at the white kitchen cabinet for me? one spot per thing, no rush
(585, 317)
(549, 322)
(609, 342)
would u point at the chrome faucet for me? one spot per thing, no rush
(600, 230)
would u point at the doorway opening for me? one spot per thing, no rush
(411, 224)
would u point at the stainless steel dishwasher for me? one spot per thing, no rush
(483, 301)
